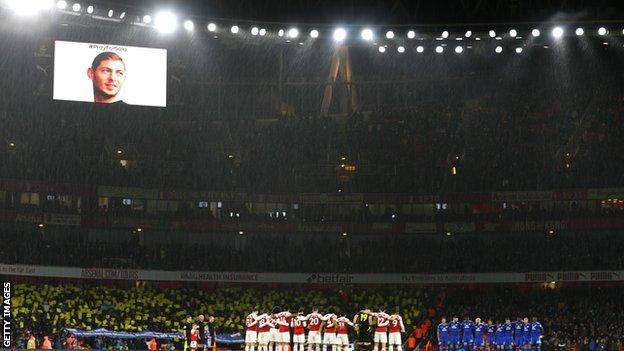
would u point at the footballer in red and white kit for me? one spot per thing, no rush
(274, 335)
(381, 338)
(251, 334)
(314, 329)
(330, 330)
(283, 323)
(264, 326)
(396, 328)
(298, 324)
(342, 332)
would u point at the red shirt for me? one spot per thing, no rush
(252, 322)
(284, 322)
(396, 325)
(330, 326)
(264, 319)
(343, 325)
(298, 326)
(314, 322)
(382, 322)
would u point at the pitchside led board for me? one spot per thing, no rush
(110, 74)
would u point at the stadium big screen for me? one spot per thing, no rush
(106, 73)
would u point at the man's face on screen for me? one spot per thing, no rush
(108, 79)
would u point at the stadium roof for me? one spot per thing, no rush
(394, 11)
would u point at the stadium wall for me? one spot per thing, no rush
(307, 278)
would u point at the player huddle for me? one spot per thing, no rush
(507, 336)
(272, 331)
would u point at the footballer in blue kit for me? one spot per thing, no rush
(526, 343)
(491, 334)
(499, 337)
(454, 327)
(536, 335)
(518, 333)
(507, 334)
(443, 334)
(479, 329)
(467, 333)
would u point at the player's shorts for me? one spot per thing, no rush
(526, 341)
(341, 340)
(263, 338)
(490, 340)
(454, 340)
(478, 342)
(443, 341)
(314, 337)
(328, 338)
(284, 337)
(381, 337)
(536, 340)
(274, 335)
(394, 338)
(251, 336)
(507, 342)
(468, 341)
(194, 344)
(299, 338)
(519, 341)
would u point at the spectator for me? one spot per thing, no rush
(46, 345)
(31, 345)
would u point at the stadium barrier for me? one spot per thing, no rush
(307, 278)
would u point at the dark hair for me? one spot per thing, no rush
(106, 55)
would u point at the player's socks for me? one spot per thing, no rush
(389, 347)
(399, 348)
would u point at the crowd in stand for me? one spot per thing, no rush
(46, 310)
(455, 253)
(403, 151)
